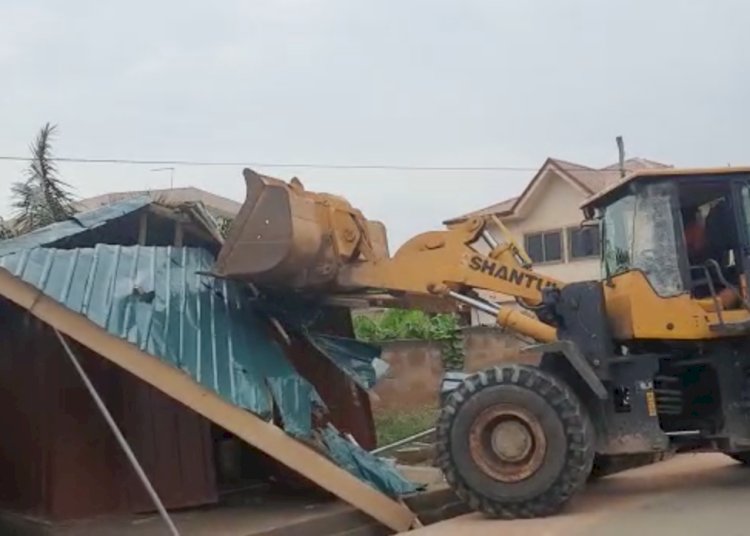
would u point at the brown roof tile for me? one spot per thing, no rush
(589, 179)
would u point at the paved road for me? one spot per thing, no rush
(694, 494)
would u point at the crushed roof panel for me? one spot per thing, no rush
(157, 299)
(160, 300)
(220, 206)
(81, 222)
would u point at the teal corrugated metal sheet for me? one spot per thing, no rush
(83, 221)
(355, 358)
(155, 298)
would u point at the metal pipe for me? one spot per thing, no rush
(120, 438)
(490, 239)
(477, 304)
(512, 319)
(404, 441)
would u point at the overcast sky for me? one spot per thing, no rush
(404, 82)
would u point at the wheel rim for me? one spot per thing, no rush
(507, 443)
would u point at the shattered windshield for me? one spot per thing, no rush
(639, 233)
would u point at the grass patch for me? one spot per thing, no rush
(394, 425)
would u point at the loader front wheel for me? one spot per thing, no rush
(515, 442)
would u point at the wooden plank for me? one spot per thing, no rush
(178, 234)
(263, 435)
(143, 228)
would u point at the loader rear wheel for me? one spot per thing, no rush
(515, 442)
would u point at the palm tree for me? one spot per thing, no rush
(42, 198)
(6, 231)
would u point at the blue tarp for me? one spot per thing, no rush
(357, 359)
(379, 473)
(360, 360)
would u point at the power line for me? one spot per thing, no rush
(307, 165)
(272, 164)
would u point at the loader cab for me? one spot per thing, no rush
(676, 253)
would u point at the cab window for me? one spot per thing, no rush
(639, 234)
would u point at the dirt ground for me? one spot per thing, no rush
(696, 494)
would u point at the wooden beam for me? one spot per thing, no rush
(178, 234)
(173, 382)
(143, 228)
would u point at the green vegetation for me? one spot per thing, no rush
(6, 231)
(224, 225)
(42, 197)
(394, 425)
(400, 324)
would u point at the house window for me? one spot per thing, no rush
(583, 242)
(544, 247)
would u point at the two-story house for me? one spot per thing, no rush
(546, 219)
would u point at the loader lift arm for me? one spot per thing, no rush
(286, 236)
(532, 427)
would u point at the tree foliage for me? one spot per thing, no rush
(224, 225)
(6, 230)
(401, 324)
(42, 197)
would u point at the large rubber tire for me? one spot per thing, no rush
(568, 434)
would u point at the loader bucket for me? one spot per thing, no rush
(286, 236)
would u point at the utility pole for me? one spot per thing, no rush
(621, 155)
(171, 175)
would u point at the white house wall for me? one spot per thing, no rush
(554, 205)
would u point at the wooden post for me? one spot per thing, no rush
(621, 155)
(143, 228)
(179, 233)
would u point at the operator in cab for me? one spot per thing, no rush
(699, 251)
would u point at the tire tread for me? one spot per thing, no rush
(576, 424)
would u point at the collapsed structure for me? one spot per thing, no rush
(184, 360)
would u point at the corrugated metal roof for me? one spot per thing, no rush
(158, 299)
(84, 221)
(155, 298)
(216, 204)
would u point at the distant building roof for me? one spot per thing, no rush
(589, 180)
(216, 204)
(118, 223)
(653, 173)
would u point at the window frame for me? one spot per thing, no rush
(569, 236)
(560, 233)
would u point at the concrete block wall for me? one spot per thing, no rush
(487, 346)
(413, 380)
(416, 367)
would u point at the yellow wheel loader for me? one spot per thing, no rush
(651, 360)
